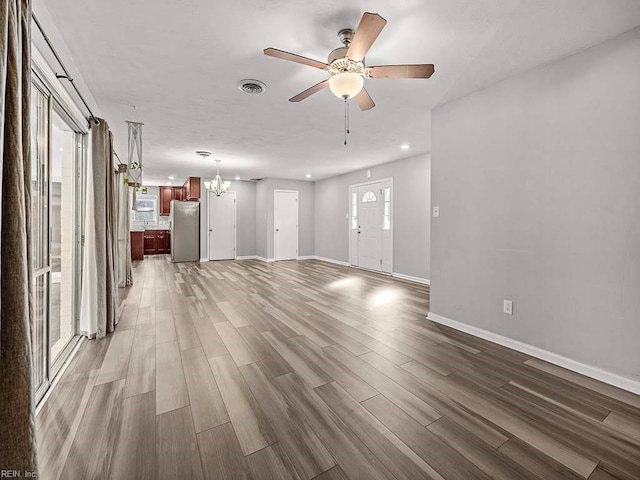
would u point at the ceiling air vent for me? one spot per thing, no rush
(253, 87)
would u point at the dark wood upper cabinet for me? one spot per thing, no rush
(192, 189)
(166, 195)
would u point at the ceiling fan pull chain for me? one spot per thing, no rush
(348, 116)
(346, 125)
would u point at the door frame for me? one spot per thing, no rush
(275, 191)
(235, 223)
(388, 180)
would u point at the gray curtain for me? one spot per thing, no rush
(17, 418)
(123, 209)
(105, 218)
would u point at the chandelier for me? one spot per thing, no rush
(217, 185)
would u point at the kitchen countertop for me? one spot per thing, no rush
(148, 227)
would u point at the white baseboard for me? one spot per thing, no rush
(328, 260)
(266, 260)
(203, 260)
(596, 373)
(424, 281)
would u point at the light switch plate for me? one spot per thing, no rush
(508, 307)
(436, 212)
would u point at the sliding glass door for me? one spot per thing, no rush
(64, 150)
(40, 235)
(56, 161)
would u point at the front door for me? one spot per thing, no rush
(285, 222)
(222, 226)
(369, 227)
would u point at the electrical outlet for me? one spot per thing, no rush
(436, 212)
(508, 307)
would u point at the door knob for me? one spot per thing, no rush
(277, 229)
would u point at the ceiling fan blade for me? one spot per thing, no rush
(370, 27)
(292, 57)
(402, 71)
(310, 91)
(364, 101)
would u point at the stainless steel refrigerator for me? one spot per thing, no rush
(185, 231)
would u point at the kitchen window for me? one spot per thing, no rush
(146, 209)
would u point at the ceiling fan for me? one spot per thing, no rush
(346, 65)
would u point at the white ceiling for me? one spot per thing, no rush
(178, 62)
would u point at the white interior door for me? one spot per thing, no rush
(369, 227)
(285, 223)
(222, 226)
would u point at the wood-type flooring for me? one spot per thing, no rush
(309, 370)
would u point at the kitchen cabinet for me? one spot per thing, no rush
(157, 242)
(191, 189)
(166, 195)
(150, 242)
(137, 246)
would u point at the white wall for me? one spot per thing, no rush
(538, 183)
(411, 197)
(264, 215)
(245, 217)
(261, 218)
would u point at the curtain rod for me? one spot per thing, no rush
(64, 69)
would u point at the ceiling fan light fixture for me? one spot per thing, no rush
(346, 84)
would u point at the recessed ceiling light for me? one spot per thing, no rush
(404, 147)
(61, 149)
(171, 178)
(237, 178)
(308, 175)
